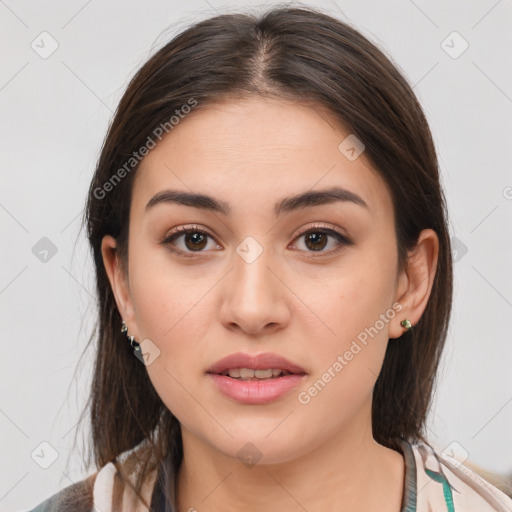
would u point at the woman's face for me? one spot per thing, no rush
(262, 279)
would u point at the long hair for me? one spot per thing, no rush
(299, 54)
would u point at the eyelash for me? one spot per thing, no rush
(183, 230)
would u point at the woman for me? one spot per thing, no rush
(274, 280)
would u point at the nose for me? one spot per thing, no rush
(255, 297)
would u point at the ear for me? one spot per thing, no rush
(118, 277)
(415, 283)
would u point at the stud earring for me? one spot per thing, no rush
(406, 324)
(135, 345)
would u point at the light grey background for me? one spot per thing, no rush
(55, 113)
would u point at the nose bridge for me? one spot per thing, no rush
(253, 295)
(251, 273)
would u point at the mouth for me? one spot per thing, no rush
(254, 367)
(249, 374)
(270, 379)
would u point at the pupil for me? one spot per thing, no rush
(195, 237)
(316, 238)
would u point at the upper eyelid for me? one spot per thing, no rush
(305, 229)
(318, 225)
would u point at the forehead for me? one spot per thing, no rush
(260, 150)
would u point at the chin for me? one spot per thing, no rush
(260, 449)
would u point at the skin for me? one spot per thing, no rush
(251, 153)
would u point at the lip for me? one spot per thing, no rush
(256, 392)
(255, 362)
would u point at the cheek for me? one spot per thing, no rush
(348, 356)
(171, 310)
(163, 296)
(353, 299)
(354, 310)
(171, 316)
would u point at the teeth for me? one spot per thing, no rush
(263, 374)
(248, 373)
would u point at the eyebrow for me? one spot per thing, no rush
(288, 204)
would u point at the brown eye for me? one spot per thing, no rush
(195, 240)
(187, 240)
(317, 239)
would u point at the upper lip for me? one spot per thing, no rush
(255, 362)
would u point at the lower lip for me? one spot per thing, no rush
(256, 392)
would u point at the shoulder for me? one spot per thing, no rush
(105, 490)
(114, 487)
(76, 497)
(109, 488)
(444, 483)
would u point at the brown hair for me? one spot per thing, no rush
(298, 54)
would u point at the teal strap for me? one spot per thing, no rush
(447, 490)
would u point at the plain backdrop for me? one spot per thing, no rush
(55, 109)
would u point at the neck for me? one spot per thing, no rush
(350, 471)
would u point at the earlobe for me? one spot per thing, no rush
(415, 285)
(116, 276)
